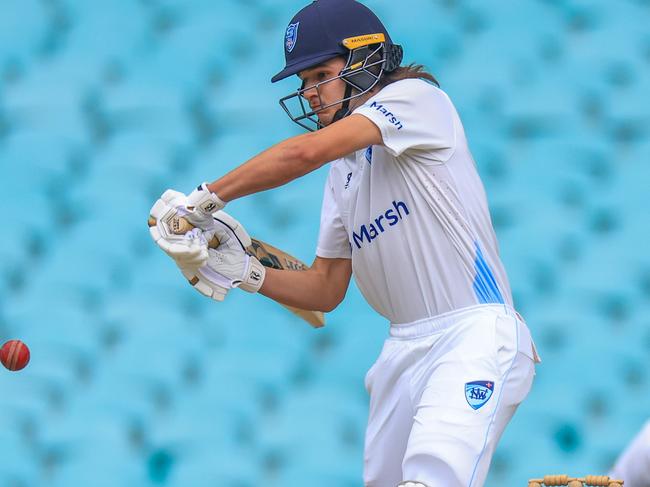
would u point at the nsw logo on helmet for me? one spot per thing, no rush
(291, 37)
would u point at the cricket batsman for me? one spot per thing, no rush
(405, 212)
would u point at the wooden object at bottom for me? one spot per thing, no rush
(588, 481)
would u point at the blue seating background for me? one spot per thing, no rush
(137, 380)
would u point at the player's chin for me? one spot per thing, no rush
(325, 117)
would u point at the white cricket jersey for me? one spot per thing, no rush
(633, 466)
(412, 213)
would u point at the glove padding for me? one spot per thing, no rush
(212, 271)
(228, 265)
(188, 250)
(206, 282)
(202, 204)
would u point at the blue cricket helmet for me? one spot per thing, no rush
(327, 29)
(316, 33)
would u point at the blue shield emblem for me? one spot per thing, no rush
(369, 155)
(478, 393)
(291, 37)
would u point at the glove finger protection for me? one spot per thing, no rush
(202, 284)
(220, 274)
(235, 237)
(190, 259)
(189, 248)
(229, 265)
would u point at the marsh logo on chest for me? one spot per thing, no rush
(375, 229)
(478, 393)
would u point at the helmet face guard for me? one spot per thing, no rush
(369, 57)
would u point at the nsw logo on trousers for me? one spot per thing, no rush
(478, 393)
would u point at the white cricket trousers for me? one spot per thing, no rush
(441, 393)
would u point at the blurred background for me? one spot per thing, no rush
(137, 380)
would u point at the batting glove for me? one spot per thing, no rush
(228, 265)
(202, 204)
(189, 250)
(206, 282)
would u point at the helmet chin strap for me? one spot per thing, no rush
(345, 108)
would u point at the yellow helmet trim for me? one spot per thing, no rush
(364, 40)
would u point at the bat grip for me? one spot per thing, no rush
(182, 226)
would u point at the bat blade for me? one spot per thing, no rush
(275, 258)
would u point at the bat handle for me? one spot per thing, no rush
(213, 243)
(181, 226)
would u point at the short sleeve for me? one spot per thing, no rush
(333, 241)
(413, 114)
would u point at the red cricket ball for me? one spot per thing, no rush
(14, 355)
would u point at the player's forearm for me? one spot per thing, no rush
(301, 289)
(274, 167)
(297, 156)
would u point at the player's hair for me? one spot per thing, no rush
(410, 71)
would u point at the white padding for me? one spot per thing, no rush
(236, 227)
(204, 200)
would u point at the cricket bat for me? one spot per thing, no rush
(269, 256)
